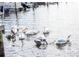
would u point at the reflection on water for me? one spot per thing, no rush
(60, 20)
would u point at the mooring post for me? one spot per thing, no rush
(2, 54)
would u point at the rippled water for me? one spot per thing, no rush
(61, 21)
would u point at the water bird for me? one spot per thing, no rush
(46, 32)
(62, 42)
(9, 37)
(41, 43)
(31, 33)
(22, 38)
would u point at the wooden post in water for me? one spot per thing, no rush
(2, 24)
(17, 20)
(16, 14)
(2, 30)
(33, 8)
(2, 54)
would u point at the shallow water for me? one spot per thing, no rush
(61, 21)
